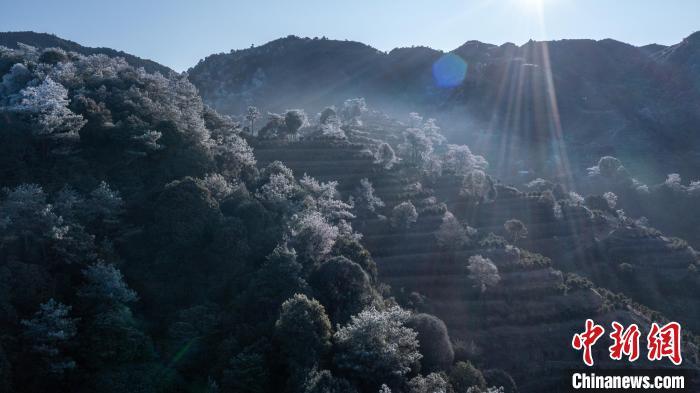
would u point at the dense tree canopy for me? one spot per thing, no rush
(376, 347)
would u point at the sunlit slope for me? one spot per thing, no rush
(530, 315)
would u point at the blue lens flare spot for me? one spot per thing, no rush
(449, 70)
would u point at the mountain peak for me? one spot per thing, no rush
(693, 38)
(685, 54)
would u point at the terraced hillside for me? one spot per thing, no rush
(576, 256)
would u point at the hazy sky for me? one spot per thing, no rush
(179, 33)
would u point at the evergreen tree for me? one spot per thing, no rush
(303, 331)
(50, 332)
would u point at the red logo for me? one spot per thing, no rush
(665, 342)
(625, 341)
(587, 339)
(662, 342)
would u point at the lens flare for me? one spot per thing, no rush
(449, 70)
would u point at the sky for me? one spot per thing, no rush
(180, 33)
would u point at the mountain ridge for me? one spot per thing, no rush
(600, 96)
(10, 39)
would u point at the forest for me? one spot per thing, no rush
(150, 243)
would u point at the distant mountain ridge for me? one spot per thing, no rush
(600, 97)
(303, 59)
(44, 40)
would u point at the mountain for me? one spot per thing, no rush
(653, 48)
(313, 69)
(576, 98)
(684, 55)
(44, 40)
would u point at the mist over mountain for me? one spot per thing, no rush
(607, 97)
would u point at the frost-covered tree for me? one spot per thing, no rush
(104, 283)
(607, 167)
(33, 225)
(433, 168)
(48, 103)
(279, 177)
(252, 114)
(279, 188)
(385, 156)
(50, 331)
(328, 115)
(104, 205)
(432, 132)
(331, 130)
(233, 155)
(516, 229)
(313, 237)
(366, 202)
(25, 213)
(575, 198)
(490, 389)
(451, 233)
(294, 119)
(459, 160)
(68, 203)
(219, 187)
(477, 186)
(28, 221)
(325, 199)
(15, 79)
(483, 272)
(404, 215)
(694, 187)
(416, 147)
(611, 199)
(352, 110)
(149, 140)
(540, 185)
(415, 120)
(674, 182)
(111, 333)
(597, 202)
(376, 346)
(53, 56)
(431, 383)
(303, 331)
(274, 128)
(324, 382)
